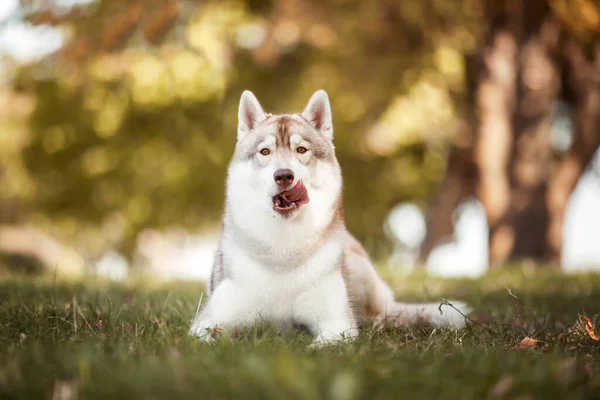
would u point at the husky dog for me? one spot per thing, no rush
(285, 255)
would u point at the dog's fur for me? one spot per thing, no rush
(300, 267)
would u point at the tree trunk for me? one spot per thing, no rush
(460, 176)
(479, 159)
(509, 160)
(538, 86)
(495, 94)
(457, 185)
(519, 83)
(583, 83)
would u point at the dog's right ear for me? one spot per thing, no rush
(318, 113)
(250, 114)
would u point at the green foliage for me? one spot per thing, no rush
(130, 341)
(136, 136)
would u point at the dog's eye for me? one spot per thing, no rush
(301, 150)
(265, 152)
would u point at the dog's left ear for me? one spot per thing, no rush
(318, 113)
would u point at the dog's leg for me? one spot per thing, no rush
(227, 308)
(325, 310)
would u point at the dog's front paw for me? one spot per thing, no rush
(205, 335)
(205, 331)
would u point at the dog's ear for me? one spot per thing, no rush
(250, 114)
(318, 113)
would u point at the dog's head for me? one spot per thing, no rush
(284, 164)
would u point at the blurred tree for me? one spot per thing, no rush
(134, 116)
(532, 54)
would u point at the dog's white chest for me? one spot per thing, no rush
(272, 291)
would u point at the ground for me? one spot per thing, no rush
(94, 339)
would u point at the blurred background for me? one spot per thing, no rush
(467, 131)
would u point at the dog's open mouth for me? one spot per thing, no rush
(290, 199)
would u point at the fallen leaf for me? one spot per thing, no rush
(590, 328)
(236, 333)
(215, 332)
(528, 342)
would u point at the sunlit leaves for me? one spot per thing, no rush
(55, 139)
(425, 112)
(139, 208)
(150, 82)
(449, 62)
(582, 17)
(212, 31)
(99, 160)
(110, 116)
(142, 123)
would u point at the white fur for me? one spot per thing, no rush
(289, 270)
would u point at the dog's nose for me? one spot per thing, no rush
(284, 177)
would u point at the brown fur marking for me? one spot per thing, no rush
(356, 248)
(282, 135)
(285, 126)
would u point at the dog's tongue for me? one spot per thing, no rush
(297, 194)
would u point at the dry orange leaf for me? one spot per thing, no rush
(590, 328)
(215, 332)
(236, 333)
(528, 342)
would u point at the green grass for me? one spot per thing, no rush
(104, 340)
